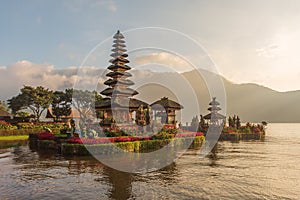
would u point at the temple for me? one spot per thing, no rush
(119, 102)
(119, 105)
(214, 118)
(164, 109)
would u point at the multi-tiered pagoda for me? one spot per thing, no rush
(118, 82)
(214, 117)
(119, 102)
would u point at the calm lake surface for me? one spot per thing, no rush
(268, 169)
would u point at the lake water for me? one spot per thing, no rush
(268, 169)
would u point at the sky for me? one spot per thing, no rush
(248, 41)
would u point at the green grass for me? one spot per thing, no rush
(13, 137)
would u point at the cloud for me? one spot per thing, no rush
(268, 51)
(79, 5)
(13, 77)
(173, 61)
(108, 4)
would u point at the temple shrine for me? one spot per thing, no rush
(119, 106)
(214, 117)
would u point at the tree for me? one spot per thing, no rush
(15, 104)
(61, 104)
(35, 99)
(234, 121)
(84, 102)
(3, 106)
(230, 121)
(238, 122)
(22, 114)
(264, 123)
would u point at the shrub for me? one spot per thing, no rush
(170, 129)
(40, 125)
(6, 126)
(109, 133)
(162, 136)
(45, 136)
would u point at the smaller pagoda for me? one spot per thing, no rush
(165, 110)
(214, 117)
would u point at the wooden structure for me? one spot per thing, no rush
(214, 118)
(4, 115)
(119, 104)
(165, 110)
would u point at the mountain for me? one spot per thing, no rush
(252, 102)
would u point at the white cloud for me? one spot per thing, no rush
(269, 51)
(79, 5)
(13, 77)
(108, 4)
(172, 61)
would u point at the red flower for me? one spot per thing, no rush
(189, 134)
(46, 136)
(75, 140)
(256, 130)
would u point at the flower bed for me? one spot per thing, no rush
(6, 126)
(45, 136)
(105, 140)
(189, 134)
(77, 149)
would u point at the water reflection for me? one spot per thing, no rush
(11, 143)
(121, 183)
(245, 170)
(213, 157)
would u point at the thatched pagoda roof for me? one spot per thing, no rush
(117, 73)
(118, 52)
(118, 60)
(5, 114)
(125, 91)
(118, 41)
(130, 103)
(214, 102)
(115, 67)
(119, 45)
(166, 103)
(120, 82)
(214, 109)
(135, 103)
(214, 116)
